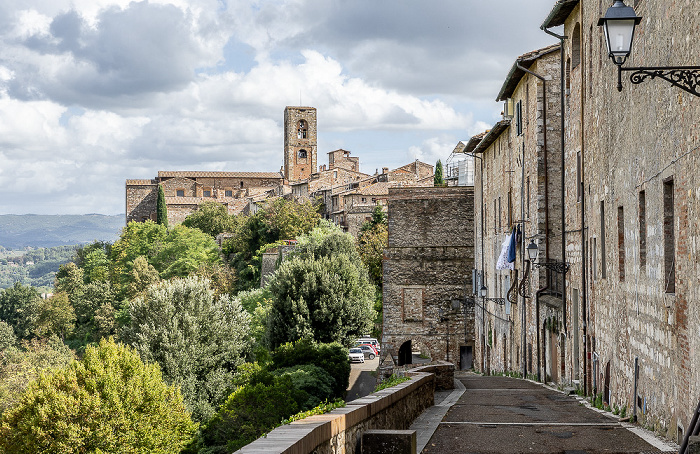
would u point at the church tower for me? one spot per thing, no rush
(299, 142)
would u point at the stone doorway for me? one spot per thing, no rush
(405, 353)
(466, 357)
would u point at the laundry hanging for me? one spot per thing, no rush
(513, 243)
(502, 263)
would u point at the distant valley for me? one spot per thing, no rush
(33, 230)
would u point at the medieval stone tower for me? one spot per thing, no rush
(299, 142)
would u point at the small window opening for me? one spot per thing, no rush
(180, 193)
(302, 130)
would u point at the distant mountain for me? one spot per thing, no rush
(35, 230)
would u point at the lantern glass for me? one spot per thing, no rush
(618, 36)
(532, 251)
(483, 291)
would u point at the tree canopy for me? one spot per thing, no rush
(109, 402)
(438, 179)
(212, 218)
(161, 208)
(198, 339)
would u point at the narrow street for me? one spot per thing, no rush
(506, 415)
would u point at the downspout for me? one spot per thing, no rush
(546, 213)
(561, 39)
(584, 242)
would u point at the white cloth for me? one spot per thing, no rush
(502, 263)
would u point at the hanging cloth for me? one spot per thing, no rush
(502, 263)
(513, 245)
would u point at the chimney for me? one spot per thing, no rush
(385, 170)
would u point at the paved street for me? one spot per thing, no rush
(363, 379)
(505, 415)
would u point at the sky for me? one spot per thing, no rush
(95, 92)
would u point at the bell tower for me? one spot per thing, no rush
(299, 142)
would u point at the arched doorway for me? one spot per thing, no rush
(405, 353)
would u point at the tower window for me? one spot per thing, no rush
(302, 154)
(180, 193)
(206, 193)
(302, 130)
(241, 184)
(229, 193)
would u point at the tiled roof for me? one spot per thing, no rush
(189, 200)
(139, 182)
(562, 9)
(492, 135)
(206, 174)
(375, 189)
(515, 73)
(474, 141)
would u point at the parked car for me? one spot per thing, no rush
(368, 351)
(369, 340)
(356, 355)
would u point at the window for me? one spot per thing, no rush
(519, 118)
(364, 200)
(302, 130)
(527, 200)
(603, 264)
(228, 193)
(594, 259)
(642, 230)
(302, 154)
(206, 193)
(576, 46)
(241, 184)
(568, 76)
(621, 242)
(669, 239)
(579, 182)
(499, 214)
(180, 193)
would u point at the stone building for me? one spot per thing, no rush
(299, 178)
(628, 197)
(517, 186)
(427, 275)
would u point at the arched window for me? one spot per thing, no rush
(302, 130)
(302, 154)
(576, 46)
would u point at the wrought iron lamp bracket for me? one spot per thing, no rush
(553, 265)
(686, 78)
(499, 301)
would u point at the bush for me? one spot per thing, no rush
(109, 402)
(333, 358)
(314, 382)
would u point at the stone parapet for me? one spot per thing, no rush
(340, 431)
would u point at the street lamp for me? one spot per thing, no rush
(532, 250)
(618, 24)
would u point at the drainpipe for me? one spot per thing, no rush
(561, 39)
(483, 303)
(546, 211)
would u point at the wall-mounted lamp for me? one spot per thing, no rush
(532, 251)
(619, 23)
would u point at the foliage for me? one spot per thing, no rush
(20, 365)
(141, 276)
(55, 316)
(108, 402)
(438, 179)
(7, 336)
(378, 218)
(287, 219)
(323, 407)
(95, 305)
(161, 208)
(81, 252)
(137, 239)
(183, 251)
(33, 267)
(96, 266)
(333, 358)
(249, 412)
(315, 383)
(221, 276)
(197, 339)
(257, 302)
(321, 292)
(393, 380)
(19, 308)
(69, 279)
(370, 245)
(212, 218)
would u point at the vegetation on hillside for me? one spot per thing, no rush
(163, 319)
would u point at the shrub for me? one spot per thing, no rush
(108, 402)
(314, 382)
(333, 358)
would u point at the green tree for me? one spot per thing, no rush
(198, 339)
(438, 179)
(95, 305)
(141, 276)
(370, 245)
(21, 364)
(19, 306)
(69, 278)
(7, 336)
(109, 402)
(161, 208)
(137, 239)
(212, 218)
(183, 251)
(378, 218)
(96, 266)
(322, 292)
(55, 316)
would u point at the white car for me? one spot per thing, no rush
(356, 355)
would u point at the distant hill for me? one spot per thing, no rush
(35, 230)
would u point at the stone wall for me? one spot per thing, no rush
(141, 197)
(296, 167)
(340, 431)
(427, 273)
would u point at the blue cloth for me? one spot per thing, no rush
(513, 243)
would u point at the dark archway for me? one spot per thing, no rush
(405, 353)
(606, 384)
